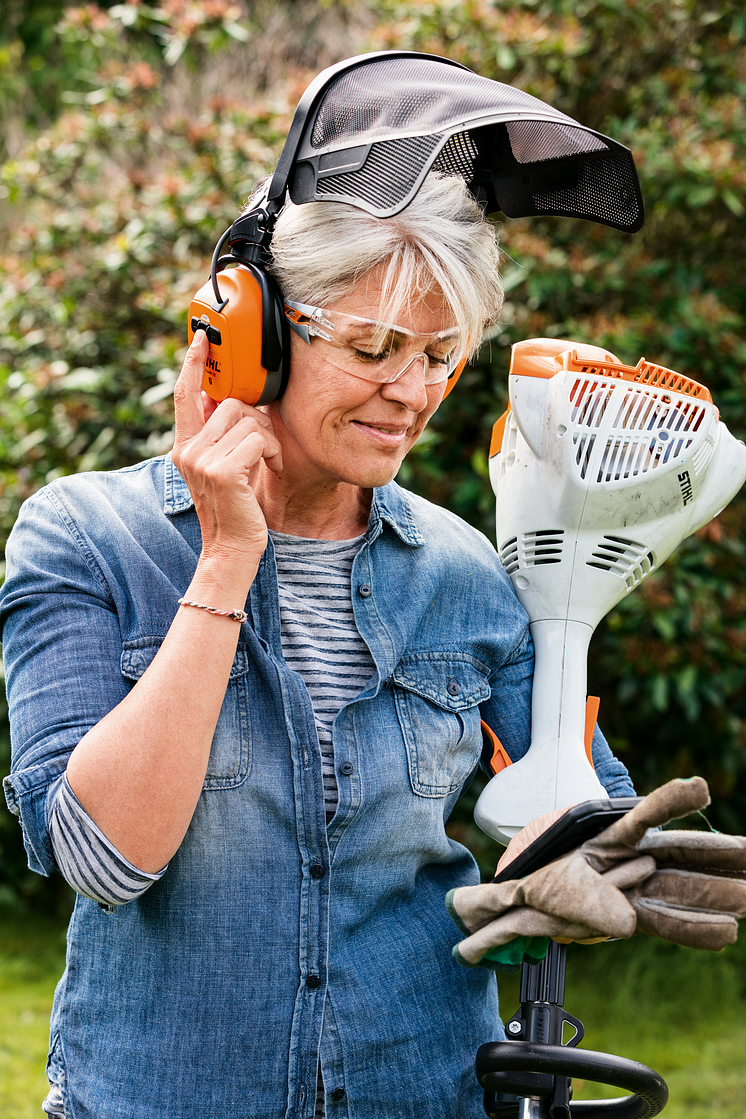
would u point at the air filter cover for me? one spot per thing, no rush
(369, 130)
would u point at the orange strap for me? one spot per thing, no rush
(592, 705)
(499, 758)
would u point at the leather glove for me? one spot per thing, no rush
(688, 887)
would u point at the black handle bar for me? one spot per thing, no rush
(497, 1059)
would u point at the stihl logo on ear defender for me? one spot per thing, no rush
(211, 363)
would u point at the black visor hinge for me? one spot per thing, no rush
(251, 234)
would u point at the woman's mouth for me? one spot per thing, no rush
(388, 435)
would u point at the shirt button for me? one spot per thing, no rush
(338, 1094)
(313, 981)
(453, 688)
(317, 870)
(347, 768)
(365, 590)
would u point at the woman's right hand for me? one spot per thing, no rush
(218, 450)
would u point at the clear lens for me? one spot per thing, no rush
(374, 350)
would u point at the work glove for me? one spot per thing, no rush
(688, 887)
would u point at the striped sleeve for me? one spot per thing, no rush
(85, 857)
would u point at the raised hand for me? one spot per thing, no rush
(218, 450)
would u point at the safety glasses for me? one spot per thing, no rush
(372, 350)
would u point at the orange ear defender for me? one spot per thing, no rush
(243, 317)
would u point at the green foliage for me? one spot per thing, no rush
(145, 144)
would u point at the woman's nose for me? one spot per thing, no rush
(409, 387)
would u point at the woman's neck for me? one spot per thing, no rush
(323, 511)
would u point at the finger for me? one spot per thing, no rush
(693, 928)
(188, 407)
(208, 406)
(241, 437)
(672, 801)
(233, 422)
(695, 891)
(228, 414)
(520, 922)
(712, 851)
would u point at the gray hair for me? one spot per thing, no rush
(441, 240)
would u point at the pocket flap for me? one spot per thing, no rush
(454, 681)
(137, 655)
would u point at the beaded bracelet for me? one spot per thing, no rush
(236, 615)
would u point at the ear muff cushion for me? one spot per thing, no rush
(275, 342)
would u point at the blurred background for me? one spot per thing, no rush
(130, 135)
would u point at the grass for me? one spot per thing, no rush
(679, 1011)
(32, 957)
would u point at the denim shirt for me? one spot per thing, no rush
(273, 941)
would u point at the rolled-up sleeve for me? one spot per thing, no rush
(61, 649)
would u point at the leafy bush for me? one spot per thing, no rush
(163, 117)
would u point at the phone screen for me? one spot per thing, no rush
(579, 823)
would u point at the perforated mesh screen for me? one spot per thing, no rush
(388, 174)
(592, 198)
(535, 140)
(515, 152)
(419, 95)
(457, 156)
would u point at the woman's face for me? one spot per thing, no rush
(334, 426)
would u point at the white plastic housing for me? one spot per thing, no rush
(598, 480)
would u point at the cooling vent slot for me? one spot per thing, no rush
(583, 450)
(589, 400)
(647, 429)
(628, 559)
(536, 548)
(509, 555)
(542, 546)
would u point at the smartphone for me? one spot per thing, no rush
(579, 823)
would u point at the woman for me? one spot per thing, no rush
(256, 808)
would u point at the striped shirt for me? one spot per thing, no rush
(86, 858)
(320, 640)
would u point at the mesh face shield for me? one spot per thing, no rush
(368, 130)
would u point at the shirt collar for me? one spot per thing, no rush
(389, 504)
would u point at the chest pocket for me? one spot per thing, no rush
(437, 697)
(230, 752)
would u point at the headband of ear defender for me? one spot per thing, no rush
(365, 133)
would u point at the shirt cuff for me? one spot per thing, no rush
(87, 860)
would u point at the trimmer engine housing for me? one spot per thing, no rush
(600, 471)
